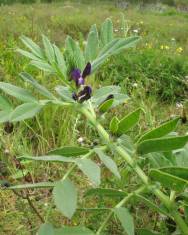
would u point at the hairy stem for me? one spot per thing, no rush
(164, 199)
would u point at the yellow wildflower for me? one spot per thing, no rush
(179, 50)
(167, 47)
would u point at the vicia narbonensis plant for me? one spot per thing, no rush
(164, 176)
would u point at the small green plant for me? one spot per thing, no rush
(151, 156)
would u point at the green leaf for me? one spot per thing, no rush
(46, 229)
(112, 48)
(114, 124)
(74, 53)
(5, 116)
(162, 144)
(65, 93)
(119, 99)
(181, 172)
(128, 121)
(34, 185)
(106, 32)
(25, 111)
(42, 65)
(74, 231)
(105, 106)
(127, 144)
(108, 162)
(92, 46)
(126, 219)
(65, 197)
(100, 94)
(41, 89)
(27, 54)
(181, 157)
(90, 169)
(105, 192)
(160, 131)
(35, 49)
(5, 104)
(17, 92)
(158, 160)
(144, 231)
(49, 49)
(60, 61)
(70, 151)
(150, 204)
(49, 158)
(167, 180)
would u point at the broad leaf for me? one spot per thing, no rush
(75, 54)
(126, 219)
(106, 34)
(34, 185)
(106, 105)
(90, 169)
(35, 49)
(162, 144)
(167, 180)
(46, 229)
(40, 64)
(181, 172)
(100, 94)
(65, 93)
(70, 151)
(114, 47)
(73, 231)
(41, 89)
(129, 121)
(92, 46)
(49, 49)
(114, 124)
(150, 204)
(160, 131)
(108, 162)
(27, 54)
(65, 197)
(60, 61)
(49, 158)
(5, 116)
(25, 111)
(17, 92)
(5, 104)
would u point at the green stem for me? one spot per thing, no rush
(120, 204)
(164, 199)
(73, 166)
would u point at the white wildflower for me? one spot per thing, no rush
(179, 105)
(135, 85)
(135, 30)
(80, 140)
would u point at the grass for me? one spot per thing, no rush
(158, 66)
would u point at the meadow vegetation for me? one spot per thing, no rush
(154, 74)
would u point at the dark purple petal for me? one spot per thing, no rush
(87, 70)
(80, 81)
(74, 96)
(76, 74)
(84, 94)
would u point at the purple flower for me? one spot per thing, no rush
(83, 95)
(79, 77)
